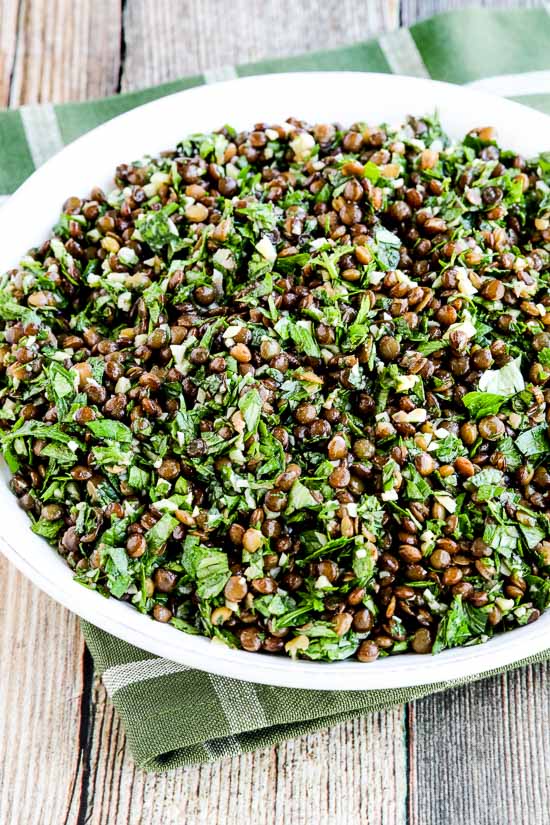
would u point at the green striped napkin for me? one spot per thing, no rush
(175, 715)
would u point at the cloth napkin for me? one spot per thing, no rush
(175, 715)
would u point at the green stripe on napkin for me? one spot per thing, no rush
(174, 715)
(463, 46)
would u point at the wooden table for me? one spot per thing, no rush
(473, 755)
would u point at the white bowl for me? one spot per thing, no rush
(27, 220)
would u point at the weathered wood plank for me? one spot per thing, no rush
(413, 10)
(47, 53)
(63, 51)
(354, 772)
(165, 40)
(41, 695)
(8, 43)
(480, 753)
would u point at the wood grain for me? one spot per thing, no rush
(354, 772)
(41, 698)
(216, 34)
(480, 754)
(413, 10)
(65, 50)
(8, 47)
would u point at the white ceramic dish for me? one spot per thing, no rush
(27, 219)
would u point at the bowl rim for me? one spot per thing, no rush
(48, 570)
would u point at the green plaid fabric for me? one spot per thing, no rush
(174, 715)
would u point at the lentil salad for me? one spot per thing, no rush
(286, 388)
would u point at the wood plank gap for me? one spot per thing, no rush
(408, 722)
(18, 39)
(84, 735)
(122, 54)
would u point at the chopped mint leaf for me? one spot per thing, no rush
(387, 249)
(299, 498)
(115, 430)
(160, 532)
(534, 442)
(454, 629)
(157, 229)
(250, 405)
(481, 404)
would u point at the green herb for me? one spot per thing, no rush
(250, 405)
(511, 454)
(371, 171)
(299, 498)
(115, 430)
(387, 249)
(48, 529)
(534, 442)
(449, 448)
(159, 534)
(481, 404)
(157, 229)
(363, 564)
(418, 488)
(454, 629)
(207, 566)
